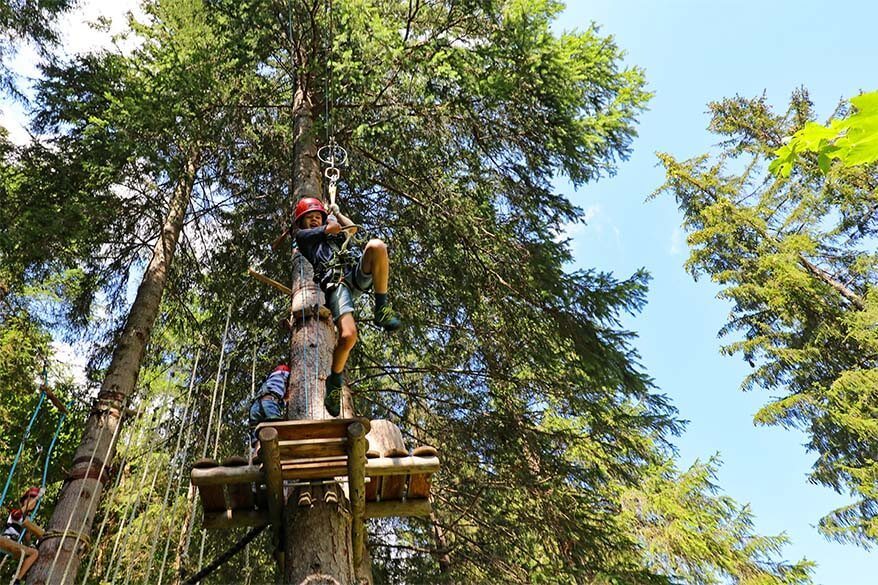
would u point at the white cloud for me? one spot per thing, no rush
(72, 358)
(677, 241)
(77, 36)
(78, 33)
(591, 212)
(13, 118)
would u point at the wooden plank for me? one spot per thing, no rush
(315, 471)
(335, 459)
(373, 487)
(384, 466)
(393, 487)
(34, 529)
(415, 507)
(310, 448)
(235, 519)
(425, 451)
(419, 483)
(273, 480)
(226, 475)
(240, 494)
(269, 281)
(212, 497)
(357, 488)
(293, 430)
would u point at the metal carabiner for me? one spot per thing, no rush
(332, 173)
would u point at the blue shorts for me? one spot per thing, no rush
(265, 408)
(341, 298)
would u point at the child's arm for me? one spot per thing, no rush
(342, 219)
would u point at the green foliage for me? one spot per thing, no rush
(853, 140)
(794, 254)
(695, 535)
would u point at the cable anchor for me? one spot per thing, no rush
(334, 156)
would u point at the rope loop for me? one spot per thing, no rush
(63, 534)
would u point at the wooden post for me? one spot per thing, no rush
(273, 482)
(357, 488)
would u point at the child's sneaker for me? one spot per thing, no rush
(387, 319)
(332, 397)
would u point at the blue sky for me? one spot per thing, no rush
(694, 52)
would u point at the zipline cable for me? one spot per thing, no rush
(223, 558)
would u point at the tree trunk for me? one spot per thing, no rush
(317, 531)
(82, 490)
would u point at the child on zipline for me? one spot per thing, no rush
(319, 239)
(15, 527)
(271, 400)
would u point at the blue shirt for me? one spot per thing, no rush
(275, 383)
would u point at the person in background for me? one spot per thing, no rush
(14, 529)
(271, 399)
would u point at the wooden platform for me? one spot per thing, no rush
(236, 493)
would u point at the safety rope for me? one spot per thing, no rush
(130, 511)
(17, 569)
(223, 558)
(219, 370)
(188, 444)
(136, 424)
(49, 458)
(219, 422)
(305, 375)
(91, 458)
(63, 534)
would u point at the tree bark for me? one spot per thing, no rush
(81, 493)
(317, 531)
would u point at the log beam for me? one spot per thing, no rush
(235, 519)
(398, 508)
(273, 483)
(382, 466)
(357, 488)
(223, 475)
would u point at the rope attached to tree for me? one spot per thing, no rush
(224, 558)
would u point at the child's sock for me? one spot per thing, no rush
(380, 301)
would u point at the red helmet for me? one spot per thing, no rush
(33, 492)
(307, 204)
(282, 368)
